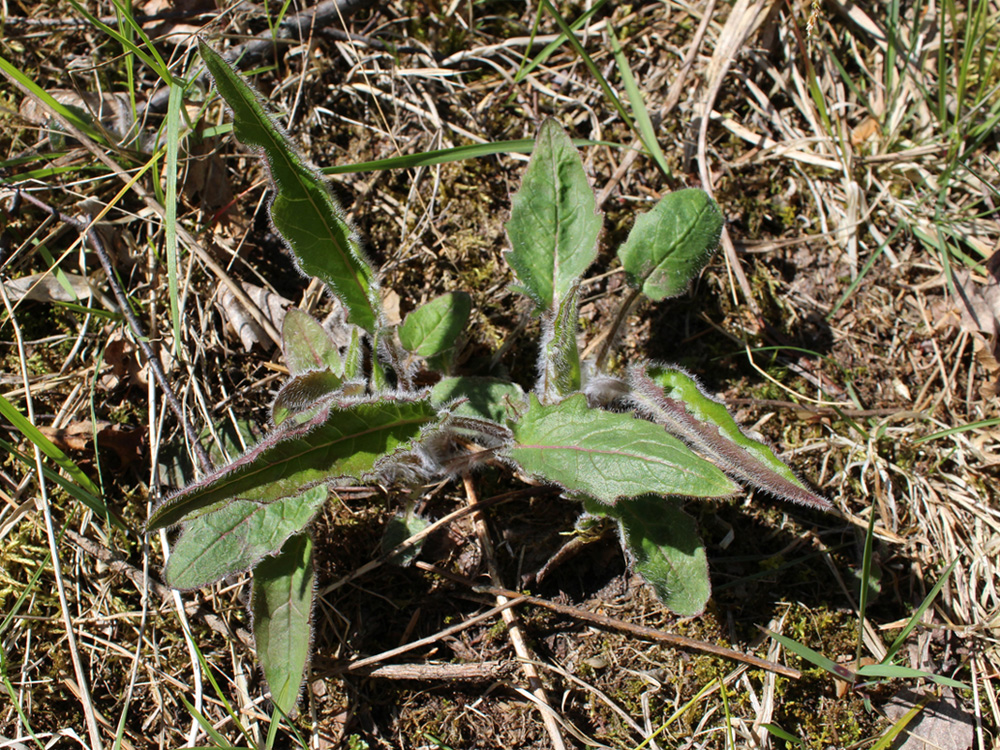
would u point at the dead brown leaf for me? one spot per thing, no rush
(122, 355)
(78, 436)
(270, 304)
(941, 725)
(979, 307)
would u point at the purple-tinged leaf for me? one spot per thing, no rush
(302, 393)
(673, 399)
(343, 440)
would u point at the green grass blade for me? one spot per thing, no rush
(956, 430)
(449, 155)
(918, 614)
(866, 570)
(46, 98)
(552, 46)
(589, 63)
(91, 500)
(11, 413)
(896, 672)
(174, 104)
(155, 62)
(888, 739)
(642, 121)
(813, 657)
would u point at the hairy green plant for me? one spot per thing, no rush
(621, 445)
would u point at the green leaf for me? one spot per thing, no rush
(669, 245)
(554, 220)
(354, 358)
(304, 211)
(46, 446)
(480, 398)
(434, 327)
(302, 392)
(282, 603)
(666, 548)
(609, 456)
(399, 529)
(237, 535)
(643, 124)
(674, 399)
(345, 439)
(896, 672)
(307, 346)
(560, 354)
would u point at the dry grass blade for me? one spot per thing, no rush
(849, 149)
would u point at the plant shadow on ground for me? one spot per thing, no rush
(771, 552)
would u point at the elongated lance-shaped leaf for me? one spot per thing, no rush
(560, 355)
(674, 399)
(554, 221)
(304, 211)
(670, 244)
(234, 537)
(435, 326)
(343, 440)
(609, 456)
(282, 604)
(307, 346)
(666, 549)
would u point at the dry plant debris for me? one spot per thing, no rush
(852, 321)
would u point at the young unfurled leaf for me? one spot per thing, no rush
(667, 551)
(672, 398)
(554, 221)
(237, 535)
(560, 355)
(354, 358)
(669, 245)
(304, 211)
(302, 392)
(282, 604)
(609, 456)
(482, 398)
(307, 345)
(435, 327)
(342, 440)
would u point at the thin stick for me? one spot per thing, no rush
(510, 617)
(610, 623)
(362, 664)
(609, 339)
(50, 531)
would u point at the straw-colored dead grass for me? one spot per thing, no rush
(830, 321)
